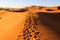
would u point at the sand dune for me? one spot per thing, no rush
(13, 22)
(35, 8)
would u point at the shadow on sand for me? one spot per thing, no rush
(50, 20)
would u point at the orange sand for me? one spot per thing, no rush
(11, 25)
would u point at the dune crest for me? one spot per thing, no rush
(35, 8)
(30, 23)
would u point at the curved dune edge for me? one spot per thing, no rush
(45, 33)
(12, 24)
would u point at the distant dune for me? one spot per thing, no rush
(36, 8)
(30, 23)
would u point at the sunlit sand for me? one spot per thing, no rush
(12, 24)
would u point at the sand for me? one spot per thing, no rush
(12, 25)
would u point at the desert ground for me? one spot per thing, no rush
(44, 21)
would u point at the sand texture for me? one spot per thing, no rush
(30, 23)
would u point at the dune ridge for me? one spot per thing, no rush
(45, 21)
(36, 8)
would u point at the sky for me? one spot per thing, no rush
(24, 3)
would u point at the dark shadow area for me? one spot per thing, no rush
(13, 10)
(0, 18)
(1, 8)
(58, 7)
(50, 10)
(50, 20)
(21, 10)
